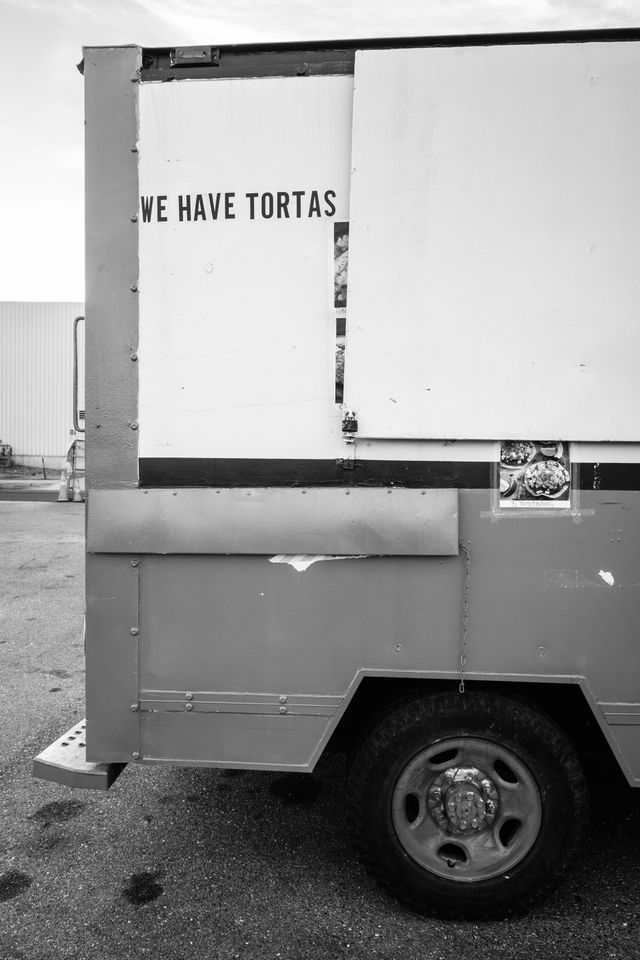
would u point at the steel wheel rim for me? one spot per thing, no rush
(466, 809)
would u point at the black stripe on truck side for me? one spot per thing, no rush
(476, 475)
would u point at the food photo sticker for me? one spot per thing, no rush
(340, 271)
(339, 394)
(534, 474)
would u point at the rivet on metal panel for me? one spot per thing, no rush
(134, 707)
(134, 356)
(189, 706)
(283, 709)
(175, 493)
(135, 755)
(134, 563)
(134, 218)
(397, 647)
(283, 698)
(188, 696)
(134, 425)
(303, 491)
(347, 492)
(134, 288)
(134, 631)
(134, 149)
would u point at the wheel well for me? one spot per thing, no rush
(565, 703)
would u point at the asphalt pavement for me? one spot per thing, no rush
(27, 488)
(187, 862)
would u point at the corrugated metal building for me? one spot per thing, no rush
(36, 380)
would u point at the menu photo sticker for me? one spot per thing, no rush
(339, 391)
(340, 271)
(534, 474)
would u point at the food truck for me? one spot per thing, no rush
(362, 435)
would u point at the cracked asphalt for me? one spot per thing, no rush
(179, 862)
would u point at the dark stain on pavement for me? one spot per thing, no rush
(143, 888)
(13, 883)
(57, 811)
(300, 788)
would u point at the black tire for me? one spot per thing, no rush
(526, 814)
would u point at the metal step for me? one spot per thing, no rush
(64, 761)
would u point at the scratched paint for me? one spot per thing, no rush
(581, 579)
(302, 561)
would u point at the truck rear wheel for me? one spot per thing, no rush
(467, 805)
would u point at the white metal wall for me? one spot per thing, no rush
(237, 318)
(495, 199)
(36, 379)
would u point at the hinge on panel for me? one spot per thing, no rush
(194, 56)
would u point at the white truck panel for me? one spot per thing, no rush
(495, 237)
(237, 324)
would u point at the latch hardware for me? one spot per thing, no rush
(194, 56)
(349, 422)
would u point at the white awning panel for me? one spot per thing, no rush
(494, 275)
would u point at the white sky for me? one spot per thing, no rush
(41, 105)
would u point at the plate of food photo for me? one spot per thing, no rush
(548, 478)
(517, 453)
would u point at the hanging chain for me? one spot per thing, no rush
(464, 622)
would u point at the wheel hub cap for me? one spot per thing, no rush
(466, 808)
(463, 800)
